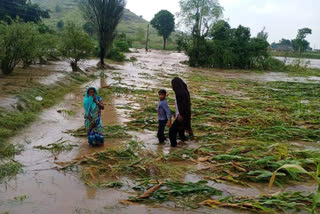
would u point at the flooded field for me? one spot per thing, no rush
(314, 63)
(246, 126)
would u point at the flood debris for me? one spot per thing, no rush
(57, 147)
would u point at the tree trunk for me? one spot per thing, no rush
(164, 43)
(102, 56)
(74, 66)
(6, 67)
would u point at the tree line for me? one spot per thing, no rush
(24, 38)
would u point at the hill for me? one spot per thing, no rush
(68, 10)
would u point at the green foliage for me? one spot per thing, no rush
(19, 42)
(75, 44)
(200, 16)
(9, 169)
(23, 9)
(57, 147)
(229, 48)
(300, 44)
(263, 35)
(104, 17)
(163, 21)
(140, 35)
(187, 194)
(120, 46)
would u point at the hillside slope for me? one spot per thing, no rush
(68, 10)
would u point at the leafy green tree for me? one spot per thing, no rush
(263, 34)
(300, 44)
(163, 21)
(199, 16)
(23, 9)
(46, 47)
(140, 34)
(182, 40)
(104, 16)
(222, 52)
(75, 44)
(88, 28)
(18, 43)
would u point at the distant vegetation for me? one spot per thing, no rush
(213, 43)
(134, 26)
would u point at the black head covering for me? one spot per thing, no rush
(183, 100)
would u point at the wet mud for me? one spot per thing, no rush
(49, 190)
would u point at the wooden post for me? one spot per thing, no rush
(147, 42)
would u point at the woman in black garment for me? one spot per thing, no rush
(182, 122)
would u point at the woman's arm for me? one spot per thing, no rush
(100, 104)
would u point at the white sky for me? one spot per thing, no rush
(282, 18)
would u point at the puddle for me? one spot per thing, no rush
(8, 103)
(314, 63)
(283, 77)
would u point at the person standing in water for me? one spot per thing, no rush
(92, 104)
(164, 115)
(182, 122)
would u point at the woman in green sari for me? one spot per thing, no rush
(92, 104)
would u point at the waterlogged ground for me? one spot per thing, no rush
(246, 126)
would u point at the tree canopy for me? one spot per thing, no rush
(104, 16)
(24, 9)
(163, 21)
(75, 44)
(300, 44)
(200, 15)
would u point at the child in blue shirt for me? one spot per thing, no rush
(164, 115)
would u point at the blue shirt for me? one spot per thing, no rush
(163, 110)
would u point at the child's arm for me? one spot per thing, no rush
(168, 113)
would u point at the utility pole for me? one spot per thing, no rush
(147, 42)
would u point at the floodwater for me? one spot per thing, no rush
(44, 74)
(50, 191)
(314, 63)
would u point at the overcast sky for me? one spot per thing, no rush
(282, 18)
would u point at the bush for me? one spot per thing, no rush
(116, 55)
(228, 48)
(18, 42)
(120, 46)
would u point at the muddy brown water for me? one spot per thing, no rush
(50, 191)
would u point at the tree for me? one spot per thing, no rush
(88, 28)
(104, 16)
(23, 9)
(199, 16)
(263, 35)
(182, 41)
(75, 44)
(163, 21)
(18, 43)
(300, 44)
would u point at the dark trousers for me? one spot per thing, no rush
(161, 128)
(177, 127)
